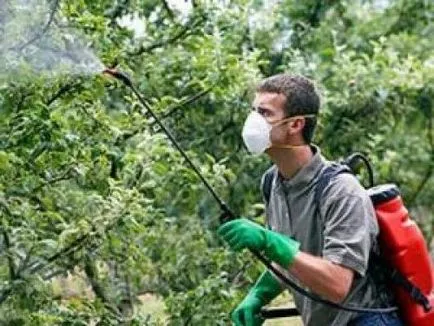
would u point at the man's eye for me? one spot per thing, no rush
(264, 113)
(260, 111)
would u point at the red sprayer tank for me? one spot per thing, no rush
(404, 247)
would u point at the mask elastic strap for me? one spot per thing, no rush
(285, 120)
(278, 123)
(288, 146)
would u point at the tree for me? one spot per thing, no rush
(90, 186)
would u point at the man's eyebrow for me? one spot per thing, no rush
(257, 108)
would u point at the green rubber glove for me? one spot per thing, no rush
(242, 233)
(248, 311)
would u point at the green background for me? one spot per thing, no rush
(102, 223)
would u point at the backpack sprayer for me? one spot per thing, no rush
(400, 239)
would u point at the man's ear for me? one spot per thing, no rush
(296, 125)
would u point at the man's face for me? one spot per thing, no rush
(272, 107)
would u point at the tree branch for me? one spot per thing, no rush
(38, 151)
(37, 266)
(239, 274)
(99, 290)
(168, 10)
(12, 273)
(99, 123)
(402, 22)
(187, 101)
(127, 135)
(53, 273)
(73, 247)
(6, 292)
(24, 263)
(315, 16)
(429, 172)
(36, 37)
(62, 90)
(227, 126)
(425, 179)
(126, 303)
(118, 10)
(92, 275)
(76, 245)
(24, 96)
(183, 33)
(66, 175)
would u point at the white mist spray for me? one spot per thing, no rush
(32, 42)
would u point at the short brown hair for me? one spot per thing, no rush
(301, 98)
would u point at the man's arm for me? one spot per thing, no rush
(348, 228)
(321, 276)
(348, 233)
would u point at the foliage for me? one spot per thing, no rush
(89, 185)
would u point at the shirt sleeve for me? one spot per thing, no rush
(350, 226)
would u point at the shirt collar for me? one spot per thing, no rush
(307, 173)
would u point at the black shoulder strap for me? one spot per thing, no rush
(267, 182)
(326, 176)
(396, 277)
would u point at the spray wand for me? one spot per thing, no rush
(227, 215)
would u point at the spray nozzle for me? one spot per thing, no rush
(120, 75)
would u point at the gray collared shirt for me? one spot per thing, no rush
(341, 228)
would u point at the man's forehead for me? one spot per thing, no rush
(269, 100)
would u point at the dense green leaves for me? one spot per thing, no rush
(90, 187)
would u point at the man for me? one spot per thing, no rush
(324, 246)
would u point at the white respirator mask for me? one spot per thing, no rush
(256, 132)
